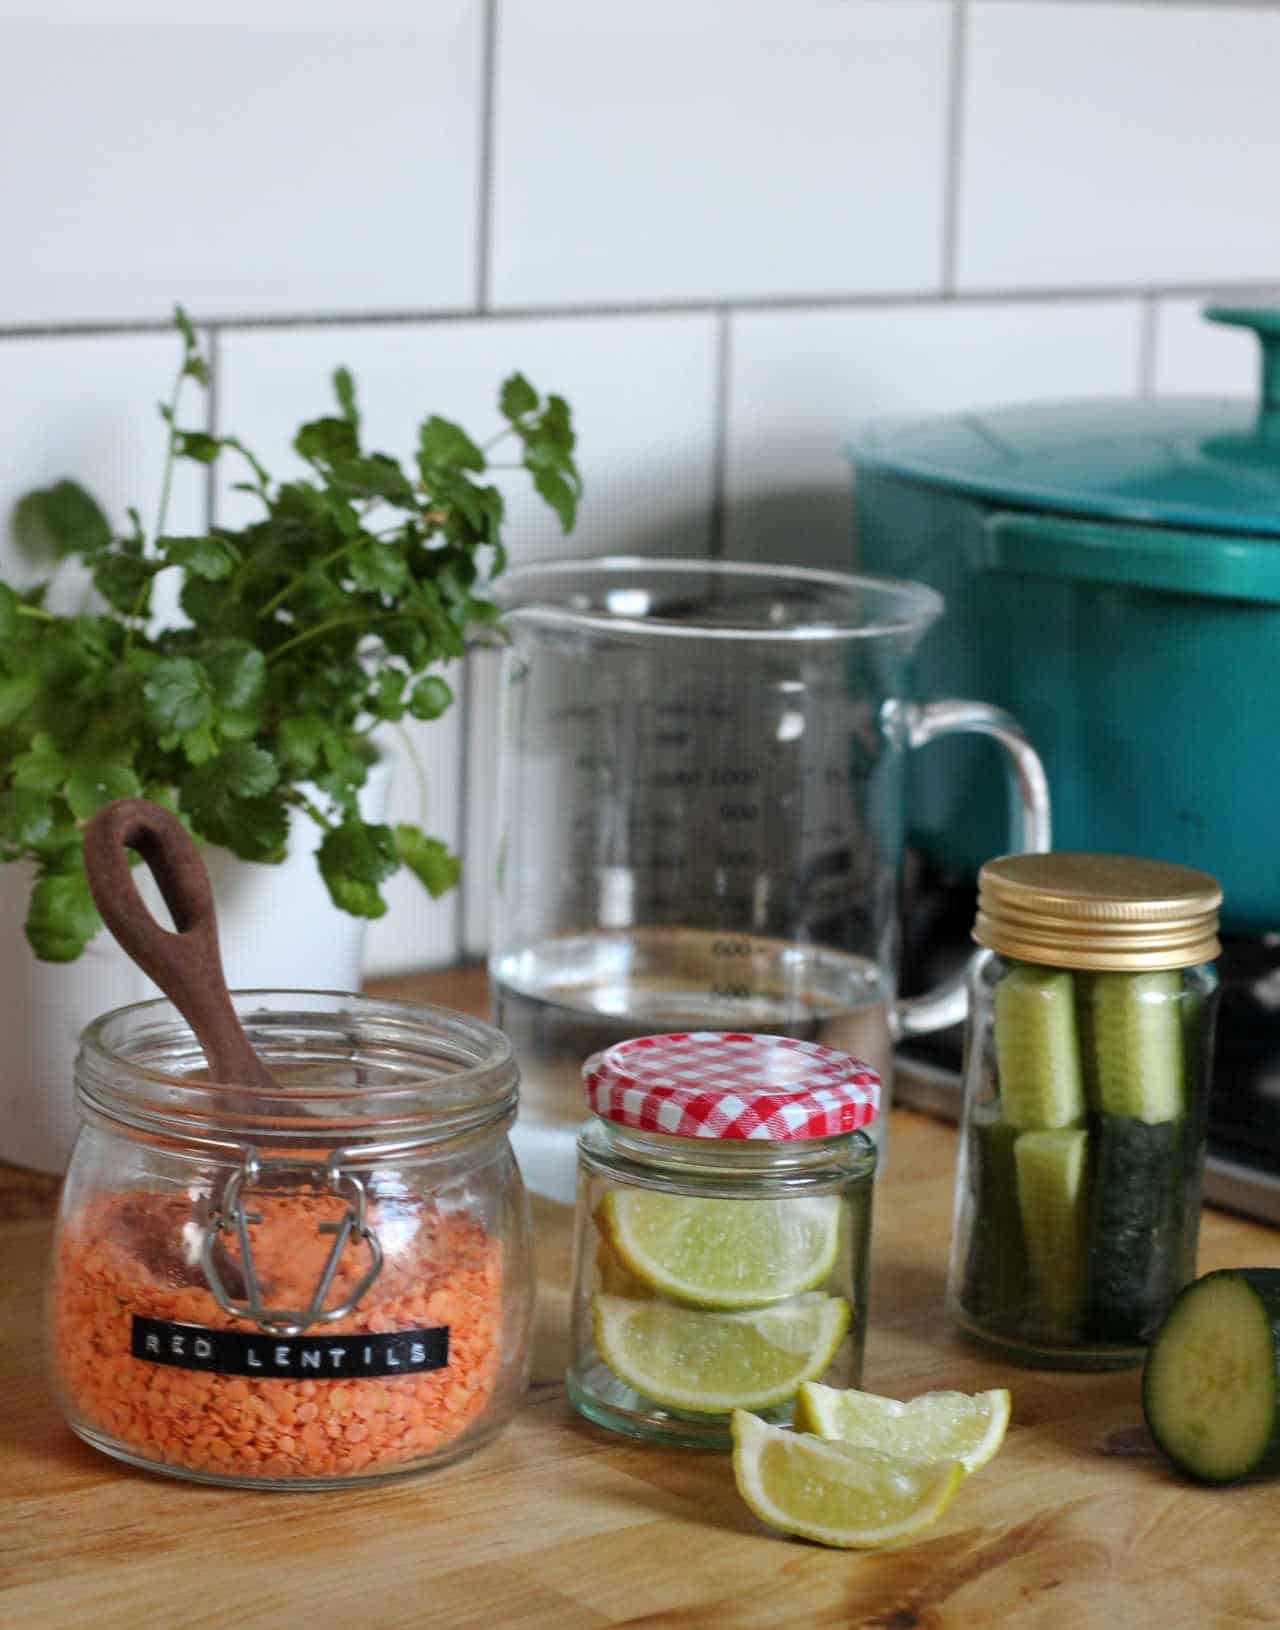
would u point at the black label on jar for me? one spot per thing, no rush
(290, 1358)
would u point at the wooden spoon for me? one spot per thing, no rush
(186, 964)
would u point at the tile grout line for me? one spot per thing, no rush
(485, 157)
(484, 243)
(1147, 339)
(716, 522)
(876, 300)
(463, 800)
(953, 157)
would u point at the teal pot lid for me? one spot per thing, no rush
(1210, 464)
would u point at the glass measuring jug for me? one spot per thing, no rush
(700, 811)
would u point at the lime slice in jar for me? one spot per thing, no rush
(710, 1363)
(723, 1253)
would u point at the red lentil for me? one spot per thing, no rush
(124, 1254)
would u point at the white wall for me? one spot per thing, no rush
(728, 230)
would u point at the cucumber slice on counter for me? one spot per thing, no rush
(1037, 1051)
(997, 1278)
(1136, 1254)
(1211, 1387)
(1052, 1197)
(1133, 1031)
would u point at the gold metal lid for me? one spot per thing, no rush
(1097, 911)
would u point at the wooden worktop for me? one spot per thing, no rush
(561, 1525)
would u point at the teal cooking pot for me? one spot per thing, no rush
(1112, 577)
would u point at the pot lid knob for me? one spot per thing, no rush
(1265, 323)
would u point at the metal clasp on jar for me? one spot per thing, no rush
(231, 1217)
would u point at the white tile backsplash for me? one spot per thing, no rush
(1118, 144)
(84, 408)
(256, 167)
(879, 202)
(697, 149)
(642, 392)
(1195, 357)
(802, 382)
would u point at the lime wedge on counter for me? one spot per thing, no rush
(710, 1363)
(723, 1253)
(833, 1492)
(935, 1426)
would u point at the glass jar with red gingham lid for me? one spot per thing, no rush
(722, 1233)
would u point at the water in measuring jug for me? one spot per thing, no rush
(564, 998)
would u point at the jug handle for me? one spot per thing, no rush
(924, 722)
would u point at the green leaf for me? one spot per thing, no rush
(26, 817)
(199, 744)
(443, 443)
(494, 508)
(379, 475)
(428, 859)
(344, 389)
(348, 522)
(60, 520)
(42, 767)
(179, 698)
(430, 697)
(183, 324)
(10, 620)
(237, 673)
(556, 424)
(219, 607)
(62, 918)
(255, 828)
(327, 441)
(124, 582)
(301, 739)
(16, 696)
(353, 859)
(209, 558)
(347, 767)
(459, 491)
(197, 445)
(245, 771)
(97, 778)
(556, 490)
(517, 397)
(377, 568)
(387, 699)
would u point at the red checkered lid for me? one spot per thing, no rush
(720, 1084)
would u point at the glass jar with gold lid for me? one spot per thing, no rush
(1086, 1077)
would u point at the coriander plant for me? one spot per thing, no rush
(302, 632)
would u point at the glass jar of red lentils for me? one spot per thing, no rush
(315, 1287)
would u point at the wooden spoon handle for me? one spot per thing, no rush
(186, 964)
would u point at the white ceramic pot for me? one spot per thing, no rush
(277, 926)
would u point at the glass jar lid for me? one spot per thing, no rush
(723, 1084)
(1105, 912)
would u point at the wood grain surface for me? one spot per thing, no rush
(561, 1525)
